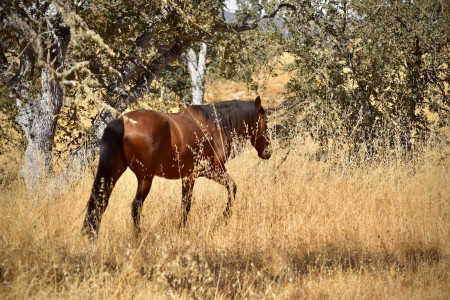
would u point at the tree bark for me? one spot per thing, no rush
(38, 117)
(197, 68)
(38, 121)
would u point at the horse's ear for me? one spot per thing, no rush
(258, 104)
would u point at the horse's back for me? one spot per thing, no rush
(145, 125)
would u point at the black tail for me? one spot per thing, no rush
(110, 143)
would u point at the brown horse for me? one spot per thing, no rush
(192, 143)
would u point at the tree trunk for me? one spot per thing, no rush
(38, 121)
(197, 68)
(38, 117)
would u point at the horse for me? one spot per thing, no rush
(192, 143)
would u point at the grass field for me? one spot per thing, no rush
(300, 228)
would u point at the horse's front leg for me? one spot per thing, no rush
(225, 179)
(186, 190)
(229, 183)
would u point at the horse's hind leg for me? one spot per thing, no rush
(143, 189)
(186, 190)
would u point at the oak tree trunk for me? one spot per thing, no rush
(38, 117)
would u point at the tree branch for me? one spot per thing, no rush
(225, 27)
(133, 59)
(27, 60)
(142, 86)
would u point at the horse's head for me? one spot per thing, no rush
(260, 139)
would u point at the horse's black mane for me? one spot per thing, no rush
(229, 115)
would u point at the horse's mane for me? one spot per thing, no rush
(229, 115)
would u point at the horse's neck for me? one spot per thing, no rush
(244, 130)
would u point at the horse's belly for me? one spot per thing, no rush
(172, 172)
(179, 166)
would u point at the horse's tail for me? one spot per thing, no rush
(110, 146)
(110, 143)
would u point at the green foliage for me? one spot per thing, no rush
(176, 81)
(238, 57)
(368, 72)
(249, 10)
(241, 56)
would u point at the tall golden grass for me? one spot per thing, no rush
(300, 228)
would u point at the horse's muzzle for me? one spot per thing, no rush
(266, 153)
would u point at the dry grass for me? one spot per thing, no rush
(299, 229)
